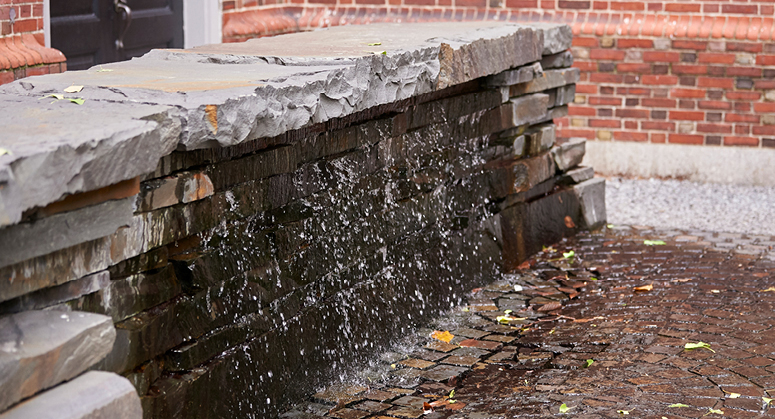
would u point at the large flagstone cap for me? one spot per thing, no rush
(133, 112)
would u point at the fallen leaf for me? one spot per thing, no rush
(623, 412)
(770, 289)
(569, 255)
(427, 408)
(734, 395)
(610, 225)
(648, 287)
(452, 393)
(518, 288)
(505, 319)
(564, 408)
(374, 44)
(588, 363)
(698, 345)
(654, 242)
(679, 405)
(104, 70)
(569, 222)
(73, 89)
(56, 96)
(524, 265)
(4, 151)
(682, 280)
(77, 101)
(715, 291)
(767, 400)
(592, 278)
(444, 336)
(716, 411)
(549, 307)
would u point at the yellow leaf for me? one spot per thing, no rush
(444, 336)
(734, 395)
(4, 151)
(73, 89)
(648, 287)
(770, 289)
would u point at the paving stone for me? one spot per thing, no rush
(346, 413)
(436, 345)
(405, 412)
(417, 363)
(411, 401)
(40, 349)
(93, 395)
(463, 361)
(469, 333)
(371, 406)
(443, 372)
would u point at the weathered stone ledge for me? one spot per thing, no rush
(138, 111)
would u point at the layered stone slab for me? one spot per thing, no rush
(40, 349)
(137, 111)
(94, 395)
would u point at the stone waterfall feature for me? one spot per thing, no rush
(215, 232)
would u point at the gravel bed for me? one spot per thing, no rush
(691, 206)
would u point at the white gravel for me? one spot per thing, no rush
(691, 206)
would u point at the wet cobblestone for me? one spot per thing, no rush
(601, 331)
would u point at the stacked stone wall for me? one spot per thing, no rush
(239, 278)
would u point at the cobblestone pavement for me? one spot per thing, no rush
(600, 332)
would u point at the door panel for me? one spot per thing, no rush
(86, 30)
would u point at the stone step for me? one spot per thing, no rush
(94, 395)
(40, 349)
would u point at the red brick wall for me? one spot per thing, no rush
(29, 17)
(22, 51)
(688, 72)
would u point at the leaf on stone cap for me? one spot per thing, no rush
(588, 363)
(77, 101)
(698, 345)
(564, 408)
(679, 405)
(104, 70)
(767, 400)
(56, 96)
(73, 89)
(4, 151)
(648, 287)
(444, 336)
(715, 411)
(374, 44)
(654, 242)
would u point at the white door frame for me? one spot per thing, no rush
(202, 22)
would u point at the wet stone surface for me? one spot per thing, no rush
(602, 331)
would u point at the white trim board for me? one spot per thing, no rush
(202, 22)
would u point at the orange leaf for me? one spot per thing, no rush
(524, 265)
(648, 287)
(444, 336)
(569, 222)
(426, 407)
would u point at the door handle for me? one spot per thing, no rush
(126, 14)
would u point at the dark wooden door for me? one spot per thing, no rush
(87, 31)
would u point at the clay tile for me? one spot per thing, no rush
(730, 27)
(16, 59)
(718, 26)
(5, 62)
(754, 29)
(33, 57)
(742, 28)
(765, 34)
(706, 28)
(21, 50)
